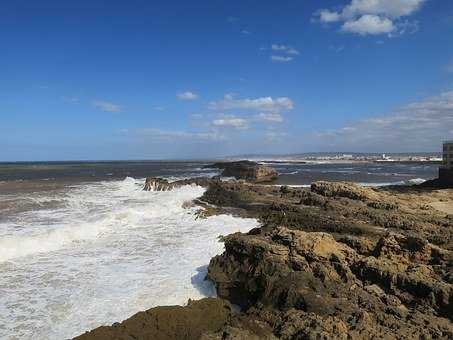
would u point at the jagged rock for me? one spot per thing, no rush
(336, 261)
(247, 170)
(313, 286)
(157, 184)
(160, 184)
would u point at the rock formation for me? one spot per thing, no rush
(335, 261)
(247, 170)
(157, 184)
(164, 323)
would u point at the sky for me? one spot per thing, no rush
(104, 79)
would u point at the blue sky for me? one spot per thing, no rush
(177, 79)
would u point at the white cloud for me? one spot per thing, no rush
(231, 121)
(374, 16)
(270, 117)
(246, 32)
(368, 24)
(389, 8)
(281, 53)
(284, 49)
(265, 104)
(106, 106)
(415, 127)
(188, 95)
(327, 16)
(281, 59)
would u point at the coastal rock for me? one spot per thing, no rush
(310, 284)
(160, 184)
(157, 184)
(247, 170)
(342, 189)
(168, 323)
(334, 261)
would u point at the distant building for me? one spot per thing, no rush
(447, 158)
(446, 169)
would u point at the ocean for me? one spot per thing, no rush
(81, 245)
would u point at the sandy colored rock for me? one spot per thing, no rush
(247, 170)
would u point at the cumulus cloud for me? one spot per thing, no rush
(419, 126)
(231, 121)
(389, 8)
(106, 106)
(327, 16)
(188, 95)
(266, 104)
(270, 117)
(373, 16)
(368, 24)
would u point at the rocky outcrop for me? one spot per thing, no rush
(247, 170)
(308, 285)
(339, 261)
(334, 261)
(161, 184)
(157, 184)
(165, 323)
(342, 189)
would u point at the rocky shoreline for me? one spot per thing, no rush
(334, 261)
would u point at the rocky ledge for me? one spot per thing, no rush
(246, 170)
(334, 261)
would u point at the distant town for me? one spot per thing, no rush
(347, 157)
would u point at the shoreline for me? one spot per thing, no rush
(353, 224)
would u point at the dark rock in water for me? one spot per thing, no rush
(157, 184)
(160, 184)
(247, 170)
(168, 323)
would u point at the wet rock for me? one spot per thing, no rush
(335, 261)
(168, 323)
(157, 184)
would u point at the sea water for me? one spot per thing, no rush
(95, 253)
(81, 245)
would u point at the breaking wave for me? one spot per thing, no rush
(105, 251)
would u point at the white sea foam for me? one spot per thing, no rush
(108, 250)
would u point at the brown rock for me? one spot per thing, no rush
(247, 170)
(168, 323)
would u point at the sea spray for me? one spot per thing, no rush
(109, 251)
